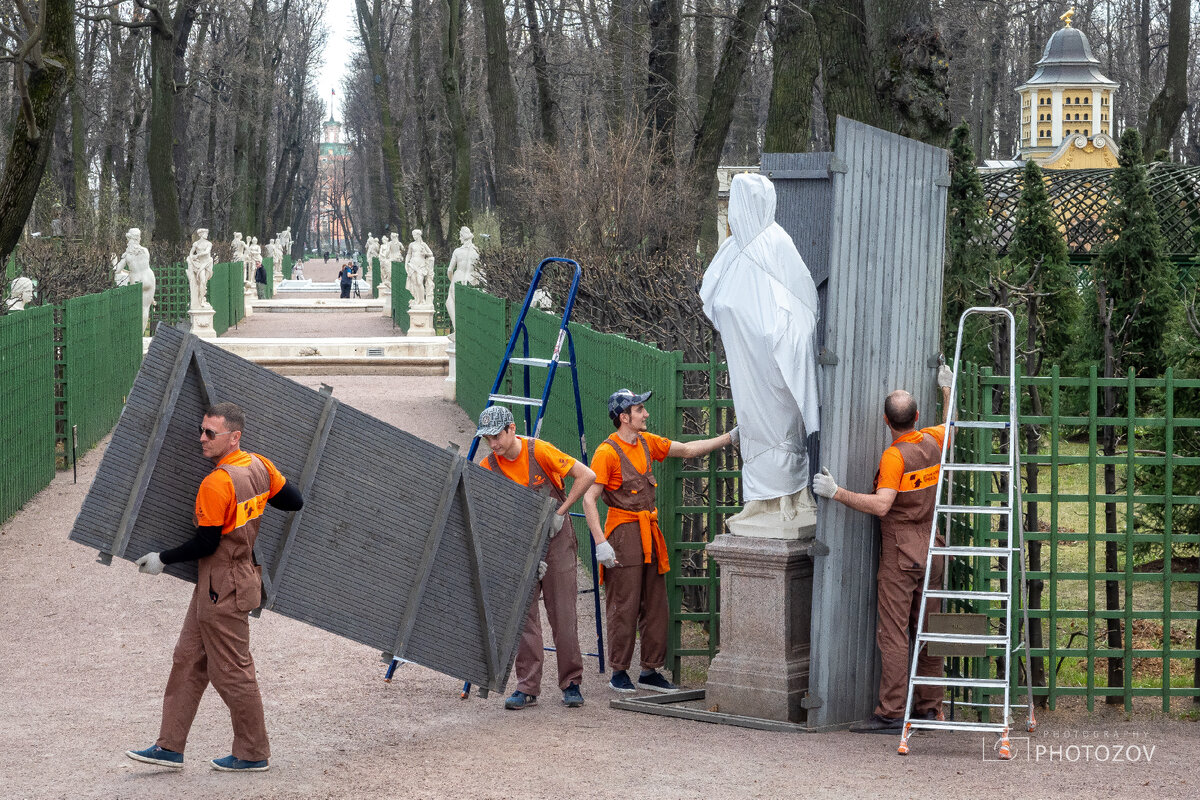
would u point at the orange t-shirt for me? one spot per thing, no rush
(553, 461)
(216, 501)
(891, 463)
(607, 465)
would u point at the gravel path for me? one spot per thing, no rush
(86, 650)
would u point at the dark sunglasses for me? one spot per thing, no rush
(210, 434)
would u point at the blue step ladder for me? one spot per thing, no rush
(533, 422)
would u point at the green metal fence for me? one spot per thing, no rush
(287, 267)
(441, 288)
(1155, 523)
(226, 294)
(99, 354)
(172, 295)
(26, 405)
(478, 347)
(401, 297)
(375, 278)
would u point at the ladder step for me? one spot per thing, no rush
(536, 362)
(982, 683)
(957, 725)
(516, 400)
(963, 550)
(995, 426)
(973, 509)
(965, 595)
(964, 638)
(977, 467)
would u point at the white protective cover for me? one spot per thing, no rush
(761, 297)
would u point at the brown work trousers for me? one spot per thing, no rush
(559, 590)
(899, 603)
(635, 599)
(214, 646)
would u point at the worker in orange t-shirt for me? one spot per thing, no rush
(903, 499)
(557, 583)
(214, 645)
(635, 589)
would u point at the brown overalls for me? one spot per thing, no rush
(559, 588)
(905, 544)
(635, 592)
(214, 645)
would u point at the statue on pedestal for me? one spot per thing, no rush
(391, 252)
(136, 259)
(462, 267)
(761, 297)
(20, 292)
(372, 249)
(541, 300)
(419, 265)
(200, 270)
(255, 254)
(238, 249)
(284, 241)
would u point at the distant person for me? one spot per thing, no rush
(326, 256)
(260, 281)
(298, 270)
(346, 278)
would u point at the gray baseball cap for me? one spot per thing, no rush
(622, 400)
(493, 420)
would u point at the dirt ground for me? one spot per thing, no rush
(85, 651)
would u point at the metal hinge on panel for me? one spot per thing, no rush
(818, 548)
(810, 700)
(943, 180)
(839, 166)
(826, 358)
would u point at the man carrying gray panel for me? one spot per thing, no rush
(214, 644)
(904, 496)
(543, 468)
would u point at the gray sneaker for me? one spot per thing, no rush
(519, 700)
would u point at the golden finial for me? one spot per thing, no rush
(1066, 17)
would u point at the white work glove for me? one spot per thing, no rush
(559, 521)
(606, 555)
(150, 564)
(541, 570)
(823, 484)
(945, 377)
(735, 437)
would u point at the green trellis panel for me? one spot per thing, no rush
(375, 278)
(441, 288)
(287, 267)
(218, 298)
(171, 293)
(478, 347)
(101, 354)
(400, 300)
(27, 404)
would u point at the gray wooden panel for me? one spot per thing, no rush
(356, 555)
(884, 306)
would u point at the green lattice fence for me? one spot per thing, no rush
(100, 352)
(26, 405)
(172, 296)
(441, 288)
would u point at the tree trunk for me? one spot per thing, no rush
(370, 26)
(662, 76)
(910, 68)
(183, 105)
(541, 73)
(718, 115)
(703, 44)
(845, 62)
(460, 172)
(1168, 107)
(434, 233)
(48, 82)
(1142, 94)
(502, 105)
(796, 63)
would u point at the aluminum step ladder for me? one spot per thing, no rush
(531, 403)
(1010, 547)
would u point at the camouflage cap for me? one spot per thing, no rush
(622, 400)
(493, 420)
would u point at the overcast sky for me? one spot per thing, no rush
(340, 20)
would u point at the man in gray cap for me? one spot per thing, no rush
(545, 473)
(635, 589)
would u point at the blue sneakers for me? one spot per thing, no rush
(231, 763)
(157, 756)
(519, 700)
(572, 697)
(653, 680)
(620, 682)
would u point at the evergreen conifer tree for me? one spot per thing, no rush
(970, 257)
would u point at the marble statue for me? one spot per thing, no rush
(200, 270)
(761, 297)
(20, 292)
(391, 252)
(120, 276)
(284, 241)
(541, 300)
(136, 259)
(418, 263)
(238, 249)
(255, 254)
(462, 266)
(372, 249)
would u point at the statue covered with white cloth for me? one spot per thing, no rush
(761, 297)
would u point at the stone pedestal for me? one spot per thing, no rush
(385, 295)
(766, 609)
(202, 323)
(251, 294)
(450, 387)
(420, 320)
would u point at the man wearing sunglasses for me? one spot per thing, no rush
(214, 645)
